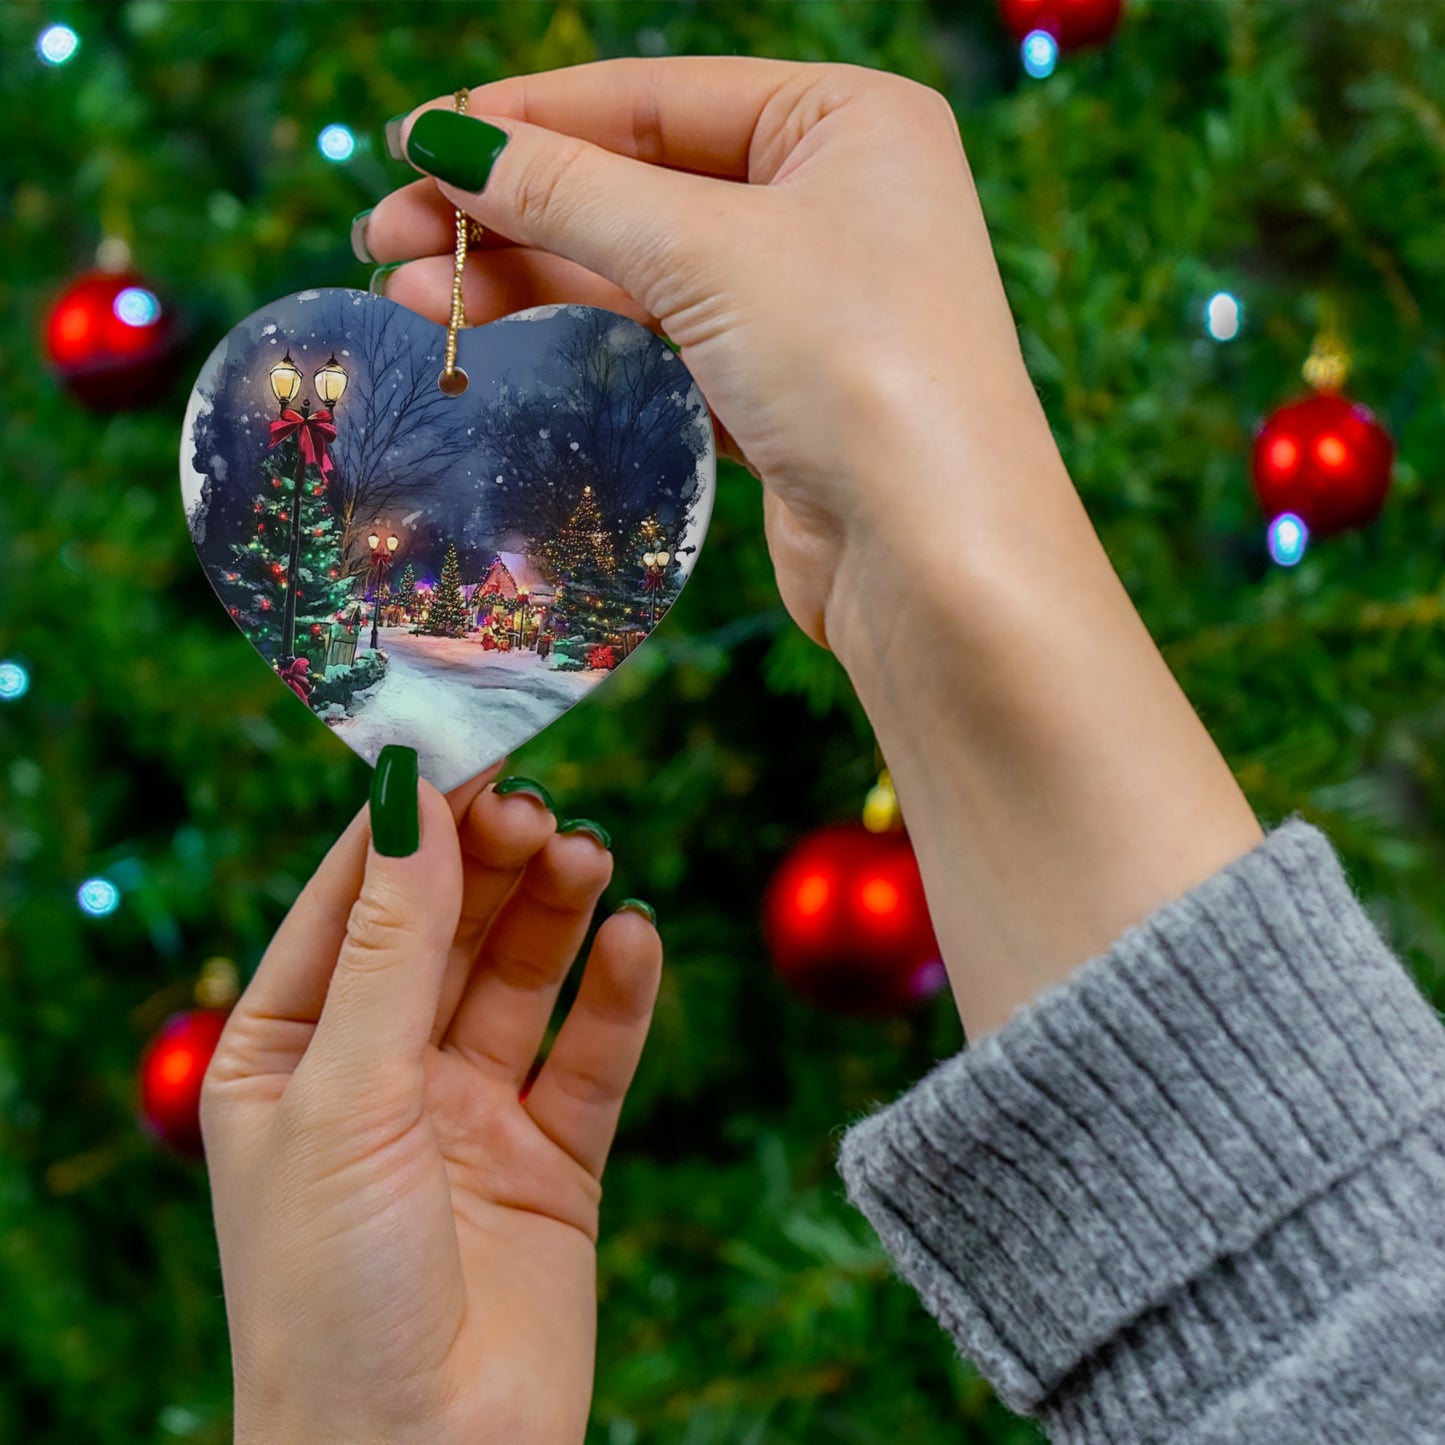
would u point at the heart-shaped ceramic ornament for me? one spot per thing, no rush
(450, 572)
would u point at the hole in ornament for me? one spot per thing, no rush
(454, 384)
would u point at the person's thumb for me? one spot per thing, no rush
(382, 1000)
(633, 223)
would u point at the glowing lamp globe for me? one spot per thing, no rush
(1325, 459)
(847, 924)
(1073, 23)
(111, 341)
(171, 1071)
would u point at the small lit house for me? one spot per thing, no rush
(512, 578)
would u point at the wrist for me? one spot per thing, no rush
(1057, 784)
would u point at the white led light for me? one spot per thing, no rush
(136, 306)
(336, 143)
(98, 897)
(14, 681)
(1223, 316)
(1040, 53)
(1288, 537)
(57, 44)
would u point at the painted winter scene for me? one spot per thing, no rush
(447, 571)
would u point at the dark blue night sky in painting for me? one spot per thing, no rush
(558, 398)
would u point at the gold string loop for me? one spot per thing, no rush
(453, 380)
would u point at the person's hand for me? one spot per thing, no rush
(407, 1246)
(811, 238)
(841, 300)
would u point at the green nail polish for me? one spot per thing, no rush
(359, 248)
(586, 825)
(395, 820)
(393, 136)
(377, 284)
(507, 786)
(636, 905)
(455, 148)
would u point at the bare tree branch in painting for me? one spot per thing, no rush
(400, 437)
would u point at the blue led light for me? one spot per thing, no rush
(1040, 52)
(1223, 316)
(136, 306)
(98, 897)
(57, 44)
(336, 143)
(1288, 537)
(14, 681)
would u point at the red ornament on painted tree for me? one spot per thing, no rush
(1073, 23)
(847, 923)
(1324, 458)
(171, 1071)
(111, 341)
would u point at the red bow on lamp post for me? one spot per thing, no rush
(312, 434)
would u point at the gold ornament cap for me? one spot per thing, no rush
(219, 985)
(1328, 366)
(880, 809)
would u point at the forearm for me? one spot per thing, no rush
(1056, 782)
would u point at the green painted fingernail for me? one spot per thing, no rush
(455, 148)
(586, 825)
(377, 285)
(395, 813)
(393, 136)
(359, 248)
(526, 785)
(636, 905)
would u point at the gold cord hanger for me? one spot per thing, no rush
(453, 380)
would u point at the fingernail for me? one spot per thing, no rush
(636, 905)
(377, 284)
(395, 813)
(586, 825)
(455, 148)
(393, 136)
(359, 248)
(525, 785)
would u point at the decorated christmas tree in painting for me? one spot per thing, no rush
(254, 585)
(405, 594)
(596, 599)
(447, 615)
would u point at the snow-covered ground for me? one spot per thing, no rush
(460, 706)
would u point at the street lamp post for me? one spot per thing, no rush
(285, 380)
(656, 564)
(380, 565)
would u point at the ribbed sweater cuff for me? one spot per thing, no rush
(1134, 1154)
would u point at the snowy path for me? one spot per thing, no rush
(459, 706)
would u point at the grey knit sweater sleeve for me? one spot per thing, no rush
(1197, 1191)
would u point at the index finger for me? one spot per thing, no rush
(696, 113)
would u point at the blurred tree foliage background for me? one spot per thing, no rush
(1287, 153)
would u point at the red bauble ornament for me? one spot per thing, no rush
(847, 923)
(171, 1071)
(1073, 23)
(111, 340)
(1324, 458)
